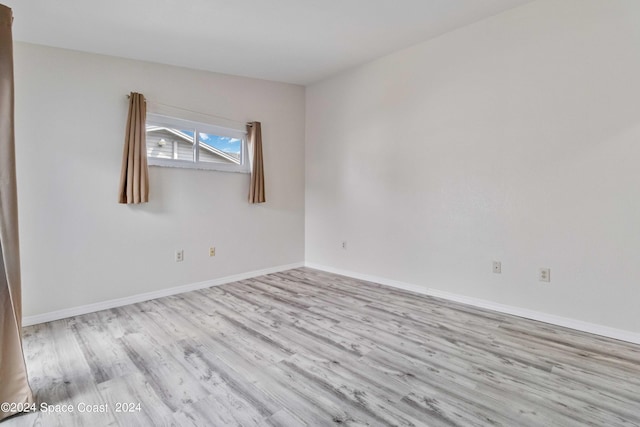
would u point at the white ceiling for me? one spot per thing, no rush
(295, 41)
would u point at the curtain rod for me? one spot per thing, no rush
(198, 112)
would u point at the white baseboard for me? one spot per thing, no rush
(605, 331)
(119, 302)
(593, 328)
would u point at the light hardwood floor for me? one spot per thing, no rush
(304, 347)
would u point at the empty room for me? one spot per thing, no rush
(320, 213)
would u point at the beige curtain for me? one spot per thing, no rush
(134, 178)
(256, 188)
(14, 386)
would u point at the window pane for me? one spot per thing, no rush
(184, 145)
(158, 144)
(219, 149)
(169, 143)
(176, 142)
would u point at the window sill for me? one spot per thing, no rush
(171, 163)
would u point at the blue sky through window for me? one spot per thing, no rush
(222, 143)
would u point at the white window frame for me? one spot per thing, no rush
(198, 127)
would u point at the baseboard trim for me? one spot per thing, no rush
(119, 302)
(578, 325)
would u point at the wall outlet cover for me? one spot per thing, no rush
(497, 267)
(544, 275)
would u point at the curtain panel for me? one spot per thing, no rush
(14, 386)
(134, 177)
(256, 187)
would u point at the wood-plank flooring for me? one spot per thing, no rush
(304, 347)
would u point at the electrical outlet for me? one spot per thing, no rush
(497, 267)
(344, 245)
(212, 251)
(179, 255)
(544, 275)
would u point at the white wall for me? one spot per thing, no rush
(514, 139)
(79, 246)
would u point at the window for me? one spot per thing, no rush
(186, 144)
